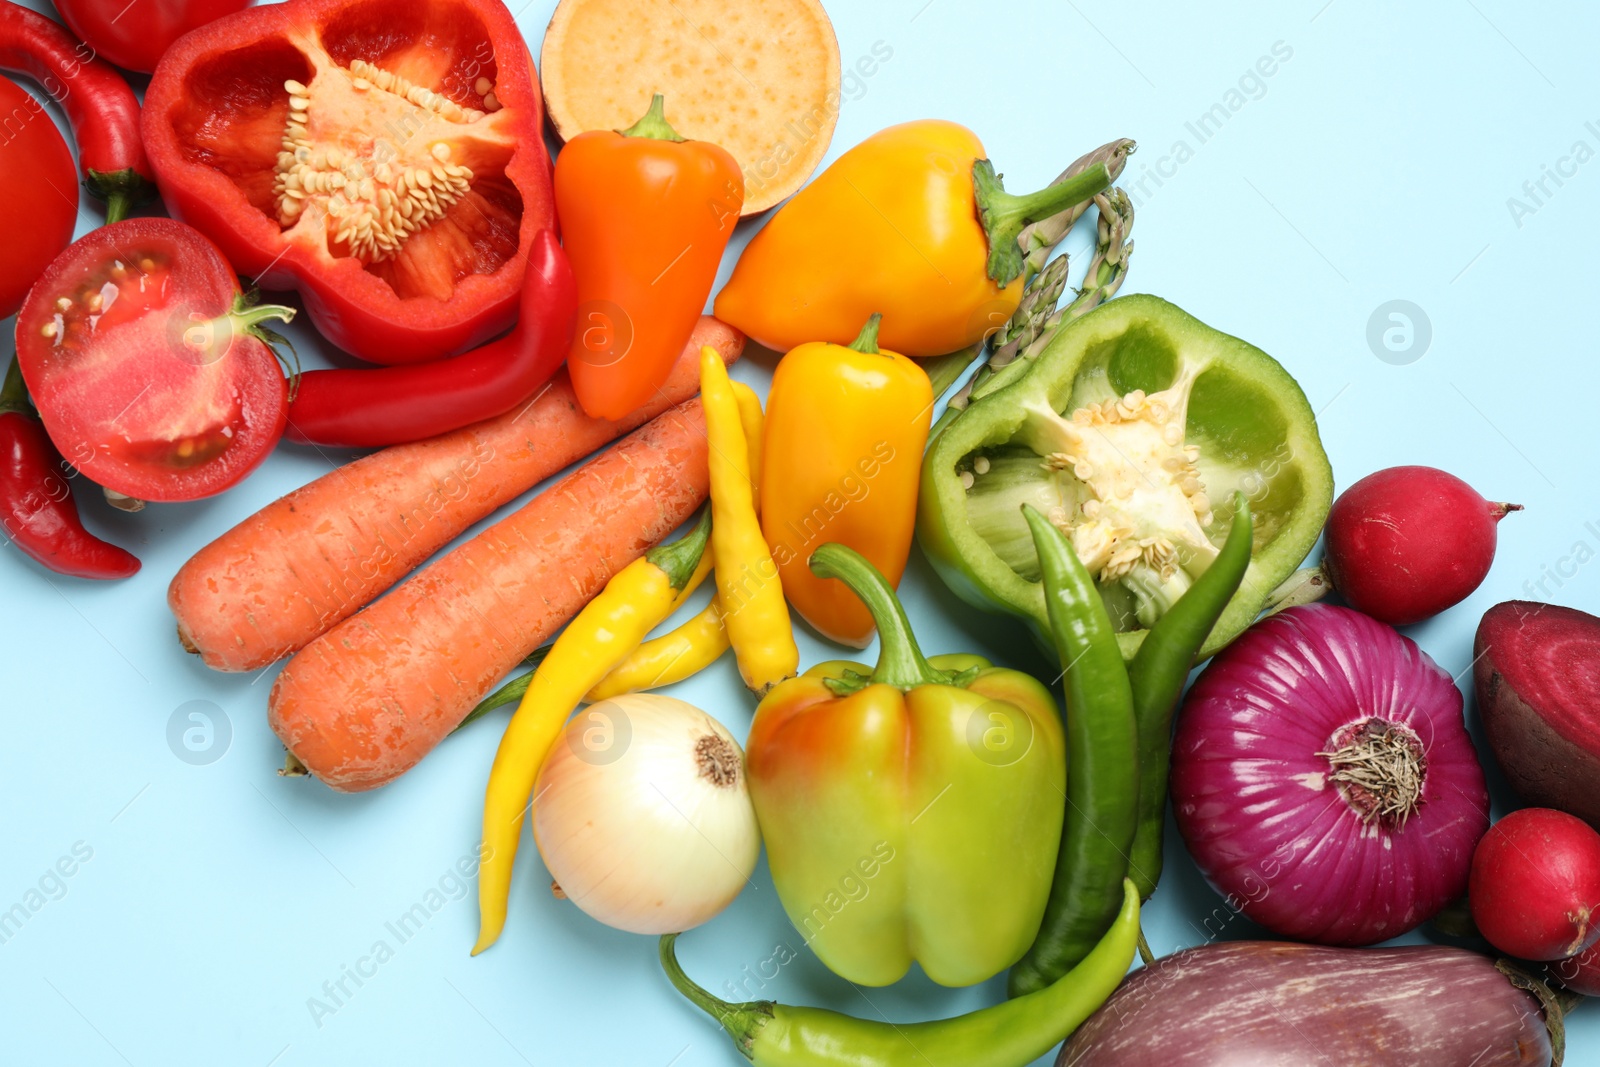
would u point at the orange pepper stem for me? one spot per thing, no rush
(653, 124)
(1004, 215)
(867, 340)
(900, 660)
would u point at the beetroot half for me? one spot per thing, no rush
(1537, 677)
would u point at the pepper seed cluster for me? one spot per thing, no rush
(372, 207)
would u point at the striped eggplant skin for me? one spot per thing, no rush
(1270, 1003)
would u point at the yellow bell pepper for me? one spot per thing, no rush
(636, 600)
(912, 222)
(841, 462)
(754, 611)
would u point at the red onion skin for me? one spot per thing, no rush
(1254, 802)
(1265, 1003)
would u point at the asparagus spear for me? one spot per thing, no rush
(1036, 240)
(1037, 321)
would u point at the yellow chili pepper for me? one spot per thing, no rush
(672, 657)
(845, 431)
(754, 611)
(912, 222)
(751, 421)
(698, 643)
(633, 603)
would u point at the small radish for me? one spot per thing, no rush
(1580, 973)
(1407, 542)
(1535, 885)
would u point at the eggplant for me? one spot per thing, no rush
(1265, 1003)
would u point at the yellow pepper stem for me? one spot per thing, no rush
(866, 341)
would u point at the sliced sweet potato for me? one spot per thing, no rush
(758, 77)
(1536, 670)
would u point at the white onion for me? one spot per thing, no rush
(643, 817)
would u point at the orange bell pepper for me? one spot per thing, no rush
(645, 216)
(841, 461)
(912, 222)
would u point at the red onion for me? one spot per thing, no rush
(1323, 779)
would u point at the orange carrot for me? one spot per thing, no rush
(361, 704)
(309, 560)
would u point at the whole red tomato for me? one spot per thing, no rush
(134, 36)
(150, 369)
(38, 193)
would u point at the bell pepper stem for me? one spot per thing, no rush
(1039, 238)
(1004, 215)
(867, 340)
(900, 662)
(741, 1021)
(653, 124)
(14, 394)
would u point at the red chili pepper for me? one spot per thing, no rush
(135, 38)
(36, 505)
(102, 109)
(392, 405)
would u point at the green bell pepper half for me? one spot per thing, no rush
(1131, 431)
(911, 812)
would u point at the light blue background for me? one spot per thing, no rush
(1375, 164)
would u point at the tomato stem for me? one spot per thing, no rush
(248, 316)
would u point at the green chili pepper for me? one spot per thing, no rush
(1157, 674)
(1011, 1034)
(1102, 755)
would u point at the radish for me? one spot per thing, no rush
(1580, 973)
(1535, 885)
(1536, 670)
(1407, 542)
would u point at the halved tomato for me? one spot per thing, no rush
(149, 367)
(384, 157)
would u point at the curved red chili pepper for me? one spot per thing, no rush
(36, 506)
(392, 405)
(102, 109)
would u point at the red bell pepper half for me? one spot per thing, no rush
(383, 157)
